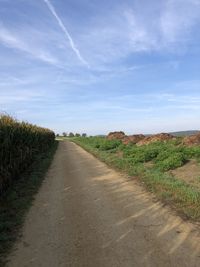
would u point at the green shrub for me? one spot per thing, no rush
(109, 144)
(171, 162)
(141, 154)
(163, 155)
(193, 152)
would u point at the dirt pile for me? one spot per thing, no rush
(139, 139)
(155, 138)
(192, 140)
(132, 139)
(116, 135)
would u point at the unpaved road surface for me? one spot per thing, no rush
(87, 215)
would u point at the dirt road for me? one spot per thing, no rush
(87, 215)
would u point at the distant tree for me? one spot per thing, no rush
(57, 135)
(64, 134)
(71, 135)
(84, 135)
(77, 135)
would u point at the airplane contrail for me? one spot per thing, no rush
(63, 28)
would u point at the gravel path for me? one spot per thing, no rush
(87, 215)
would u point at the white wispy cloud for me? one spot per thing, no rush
(174, 23)
(66, 32)
(12, 40)
(177, 19)
(9, 98)
(118, 35)
(125, 30)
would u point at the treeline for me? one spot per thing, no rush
(20, 143)
(65, 134)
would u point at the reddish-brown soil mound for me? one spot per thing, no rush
(116, 135)
(155, 138)
(132, 139)
(192, 140)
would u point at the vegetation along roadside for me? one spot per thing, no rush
(153, 165)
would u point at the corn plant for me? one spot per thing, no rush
(20, 142)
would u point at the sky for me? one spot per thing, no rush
(99, 66)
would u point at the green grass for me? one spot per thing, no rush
(183, 197)
(16, 201)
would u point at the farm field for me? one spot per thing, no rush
(170, 169)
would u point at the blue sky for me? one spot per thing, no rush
(97, 66)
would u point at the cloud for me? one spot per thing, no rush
(178, 18)
(66, 32)
(128, 29)
(118, 35)
(123, 31)
(12, 40)
(9, 98)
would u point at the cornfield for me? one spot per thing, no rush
(20, 142)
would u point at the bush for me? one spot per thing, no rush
(19, 144)
(171, 162)
(192, 152)
(109, 144)
(163, 155)
(141, 154)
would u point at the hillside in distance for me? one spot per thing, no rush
(185, 133)
(179, 133)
